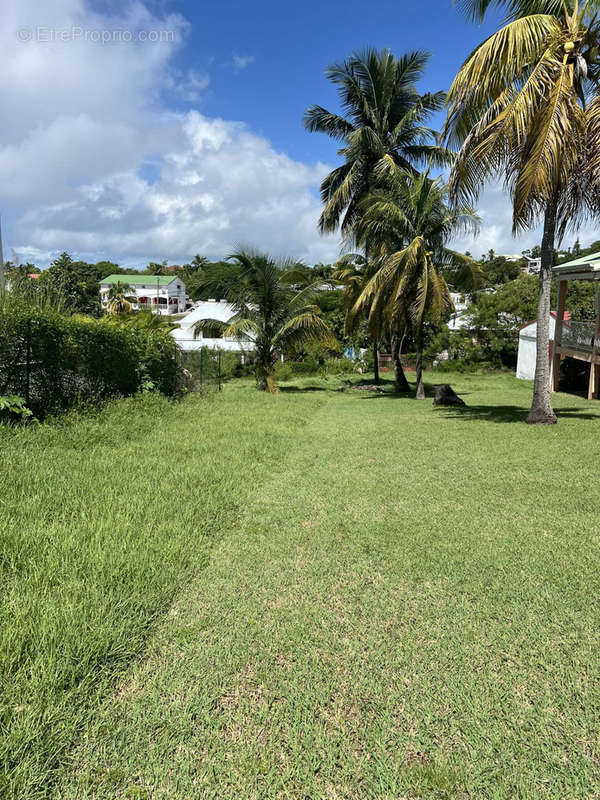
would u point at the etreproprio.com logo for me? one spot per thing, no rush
(47, 34)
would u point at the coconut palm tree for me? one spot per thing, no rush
(525, 105)
(269, 312)
(119, 298)
(383, 127)
(409, 222)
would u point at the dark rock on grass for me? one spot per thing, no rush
(446, 396)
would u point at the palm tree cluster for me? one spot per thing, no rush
(382, 203)
(408, 222)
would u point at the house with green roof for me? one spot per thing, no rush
(163, 294)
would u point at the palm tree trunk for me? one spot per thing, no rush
(541, 412)
(375, 347)
(265, 368)
(419, 363)
(401, 384)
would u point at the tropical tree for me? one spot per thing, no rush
(119, 298)
(525, 105)
(383, 127)
(75, 281)
(269, 312)
(409, 223)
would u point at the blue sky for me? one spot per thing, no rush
(291, 44)
(186, 137)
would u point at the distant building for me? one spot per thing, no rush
(459, 318)
(532, 266)
(218, 310)
(162, 294)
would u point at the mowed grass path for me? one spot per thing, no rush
(407, 608)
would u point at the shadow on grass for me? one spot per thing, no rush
(500, 413)
(509, 413)
(302, 389)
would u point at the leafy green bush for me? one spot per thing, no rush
(56, 362)
(337, 366)
(489, 349)
(13, 409)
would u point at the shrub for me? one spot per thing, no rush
(284, 371)
(474, 349)
(56, 362)
(13, 409)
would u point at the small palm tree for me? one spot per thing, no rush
(525, 104)
(119, 298)
(270, 313)
(409, 222)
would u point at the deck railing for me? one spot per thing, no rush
(579, 336)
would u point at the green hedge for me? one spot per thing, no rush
(56, 362)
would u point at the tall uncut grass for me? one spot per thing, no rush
(103, 518)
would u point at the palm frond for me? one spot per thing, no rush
(305, 328)
(318, 119)
(500, 62)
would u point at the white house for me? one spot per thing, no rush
(207, 310)
(527, 348)
(163, 294)
(532, 265)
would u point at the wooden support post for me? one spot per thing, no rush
(560, 316)
(593, 384)
(595, 366)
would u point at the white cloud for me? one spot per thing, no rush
(93, 161)
(495, 210)
(241, 62)
(221, 185)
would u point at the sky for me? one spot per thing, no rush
(151, 131)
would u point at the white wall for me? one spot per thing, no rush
(526, 357)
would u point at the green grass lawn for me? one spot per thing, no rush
(317, 595)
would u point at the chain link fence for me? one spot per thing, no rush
(205, 367)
